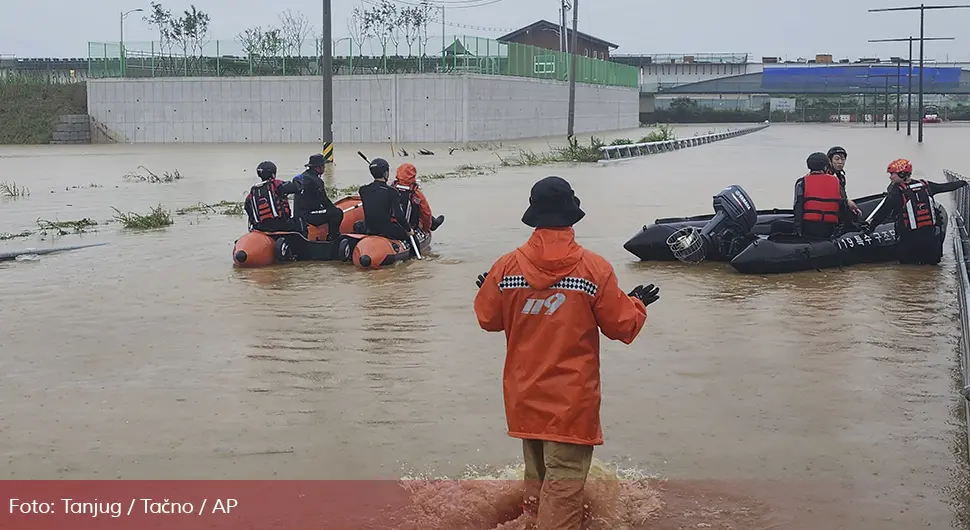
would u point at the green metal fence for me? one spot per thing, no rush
(441, 54)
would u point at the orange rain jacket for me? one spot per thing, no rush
(552, 297)
(407, 178)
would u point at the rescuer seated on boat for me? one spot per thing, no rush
(267, 205)
(383, 215)
(916, 219)
(821, 208)
(837, 158)
(312, 204)
(413, 202)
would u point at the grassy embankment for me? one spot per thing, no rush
(29, 108)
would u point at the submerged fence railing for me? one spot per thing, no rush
(961, 249)
(442, 54)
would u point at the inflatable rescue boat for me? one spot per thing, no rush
(650, 244)
(763, 242)
(263, 249)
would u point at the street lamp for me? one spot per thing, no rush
(909, 77)
(121, 43)
(922, 12)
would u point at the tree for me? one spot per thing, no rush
(295, 28)
(382, 20)
(261, 44)
(195, 25)
(406, 23)
(423, 15)
(161, 20)
(359, 28)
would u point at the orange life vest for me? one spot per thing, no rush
(823, 198)
(919, 208)
(267, 202)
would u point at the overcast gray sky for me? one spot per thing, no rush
(792, 28)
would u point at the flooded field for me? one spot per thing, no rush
(813, 400)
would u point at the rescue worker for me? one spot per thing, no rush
(267, 205)
(820, 203)
(837, 157)
(383, 215)
(916, 221)
(552, 298)
(312, 204)
(413, 201)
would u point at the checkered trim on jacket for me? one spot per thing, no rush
(568, 283)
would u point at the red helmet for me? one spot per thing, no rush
(900, 165)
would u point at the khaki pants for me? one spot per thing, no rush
(555, 475)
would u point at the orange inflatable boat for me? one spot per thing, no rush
(263, 249)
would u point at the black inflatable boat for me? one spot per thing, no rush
(651, 243)
(762, 241)
(788, 253)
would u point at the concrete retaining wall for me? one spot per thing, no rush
(613, 153)
(72, 129)
(367, 109)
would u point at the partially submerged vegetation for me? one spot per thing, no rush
(12, 190)
(158, 217)
(150, 176)
(63, 228)
(5, 236)
(579, 152)
(221, 208)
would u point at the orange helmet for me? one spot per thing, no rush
(900, 165)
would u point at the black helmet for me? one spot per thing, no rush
(379, 168)
(817, 162)
(837, 151)
(266, 170)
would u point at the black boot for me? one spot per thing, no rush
(436, 222)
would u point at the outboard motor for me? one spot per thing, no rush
(726, 234)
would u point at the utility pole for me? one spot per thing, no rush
(899, 63)
(909, 77)
(922, 12)
(326, 95)
(122, 54)
(570, 132)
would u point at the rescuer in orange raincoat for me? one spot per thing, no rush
(415, 202)
(552, 298)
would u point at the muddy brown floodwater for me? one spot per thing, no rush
(813, 400)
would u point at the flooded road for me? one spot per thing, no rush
(827, 397)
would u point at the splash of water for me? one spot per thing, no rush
(482, 500)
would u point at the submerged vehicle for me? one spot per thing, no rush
(763, 242)
(931, 114)
(650, 244)
(263, 249)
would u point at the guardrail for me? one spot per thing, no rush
(961, 250)
(614, 153)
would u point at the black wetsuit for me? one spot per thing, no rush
(382, 202)
(314, 197)
(920, 246)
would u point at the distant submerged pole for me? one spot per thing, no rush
(570, 132)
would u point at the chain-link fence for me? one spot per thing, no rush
(961, 248)
(252, 56)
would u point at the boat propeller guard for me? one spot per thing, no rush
(687, 245)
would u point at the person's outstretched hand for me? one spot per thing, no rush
(647, 295)
(481, 279)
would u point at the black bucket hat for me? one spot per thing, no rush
(552, 204)
(316, 160)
